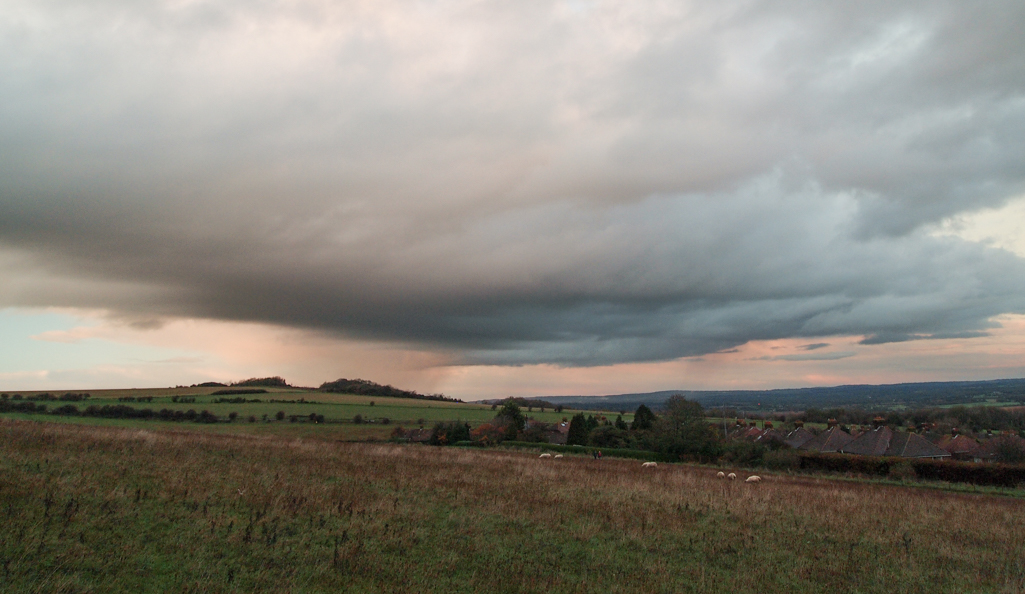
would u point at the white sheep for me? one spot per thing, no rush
(649, 465)
(754, 478)
(732, 476)
(545, 455)
(721, 475)
(558, 455)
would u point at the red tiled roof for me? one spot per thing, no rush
(958, 445)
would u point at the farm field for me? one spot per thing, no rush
(284, 429)
(334, 407)
(107, 509)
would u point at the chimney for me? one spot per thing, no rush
(878, 422)
(953, 430)
(798, 423)
(831, 423)
(767, 424)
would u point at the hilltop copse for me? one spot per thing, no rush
(364, 387)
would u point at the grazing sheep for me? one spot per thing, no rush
(545, 455)
(649, 465)
(753, 479)
(558, 455)
(732, 476)
(721, 475)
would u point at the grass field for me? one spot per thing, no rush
(334, 407)
(108, 509)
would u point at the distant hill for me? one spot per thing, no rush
(368, 388)
(888, 396)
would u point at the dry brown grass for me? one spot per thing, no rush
(106, 509)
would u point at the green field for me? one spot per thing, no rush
(335, 408)
(107, 509)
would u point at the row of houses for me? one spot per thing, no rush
(883, 441)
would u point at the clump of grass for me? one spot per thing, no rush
(109, 509)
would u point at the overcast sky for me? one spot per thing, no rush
(530, 197)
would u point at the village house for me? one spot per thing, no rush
(883, 441)
(830, 441)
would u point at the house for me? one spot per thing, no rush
(1002, 448)
(798, 437)
(747, 433)
(960, 447)
(771, 438)
(831, 440)
(883, 441)
(558, 434)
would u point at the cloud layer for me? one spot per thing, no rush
(574, 183)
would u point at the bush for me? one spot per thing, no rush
(782, 459)
(450, 433)
(358, 419)
(903, 471)
(233, 391)
(280, 415)
(743, 453)
(67, 409)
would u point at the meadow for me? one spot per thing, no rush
(112, 509)
(301, 403)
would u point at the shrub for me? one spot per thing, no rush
(487, 434)
(358, 419)
(232, 416)
(903, 471)
(782, 459)
(450, 433)
(280, 415)
(743, 453)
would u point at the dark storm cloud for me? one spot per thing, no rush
(574, 183)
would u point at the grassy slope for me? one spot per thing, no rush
(404, 411)
(101, 509)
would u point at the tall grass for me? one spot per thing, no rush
(102, 509)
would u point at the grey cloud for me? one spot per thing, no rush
(575, 187)
(813, 347)
(809, 357)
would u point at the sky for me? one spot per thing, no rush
(532, 198)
